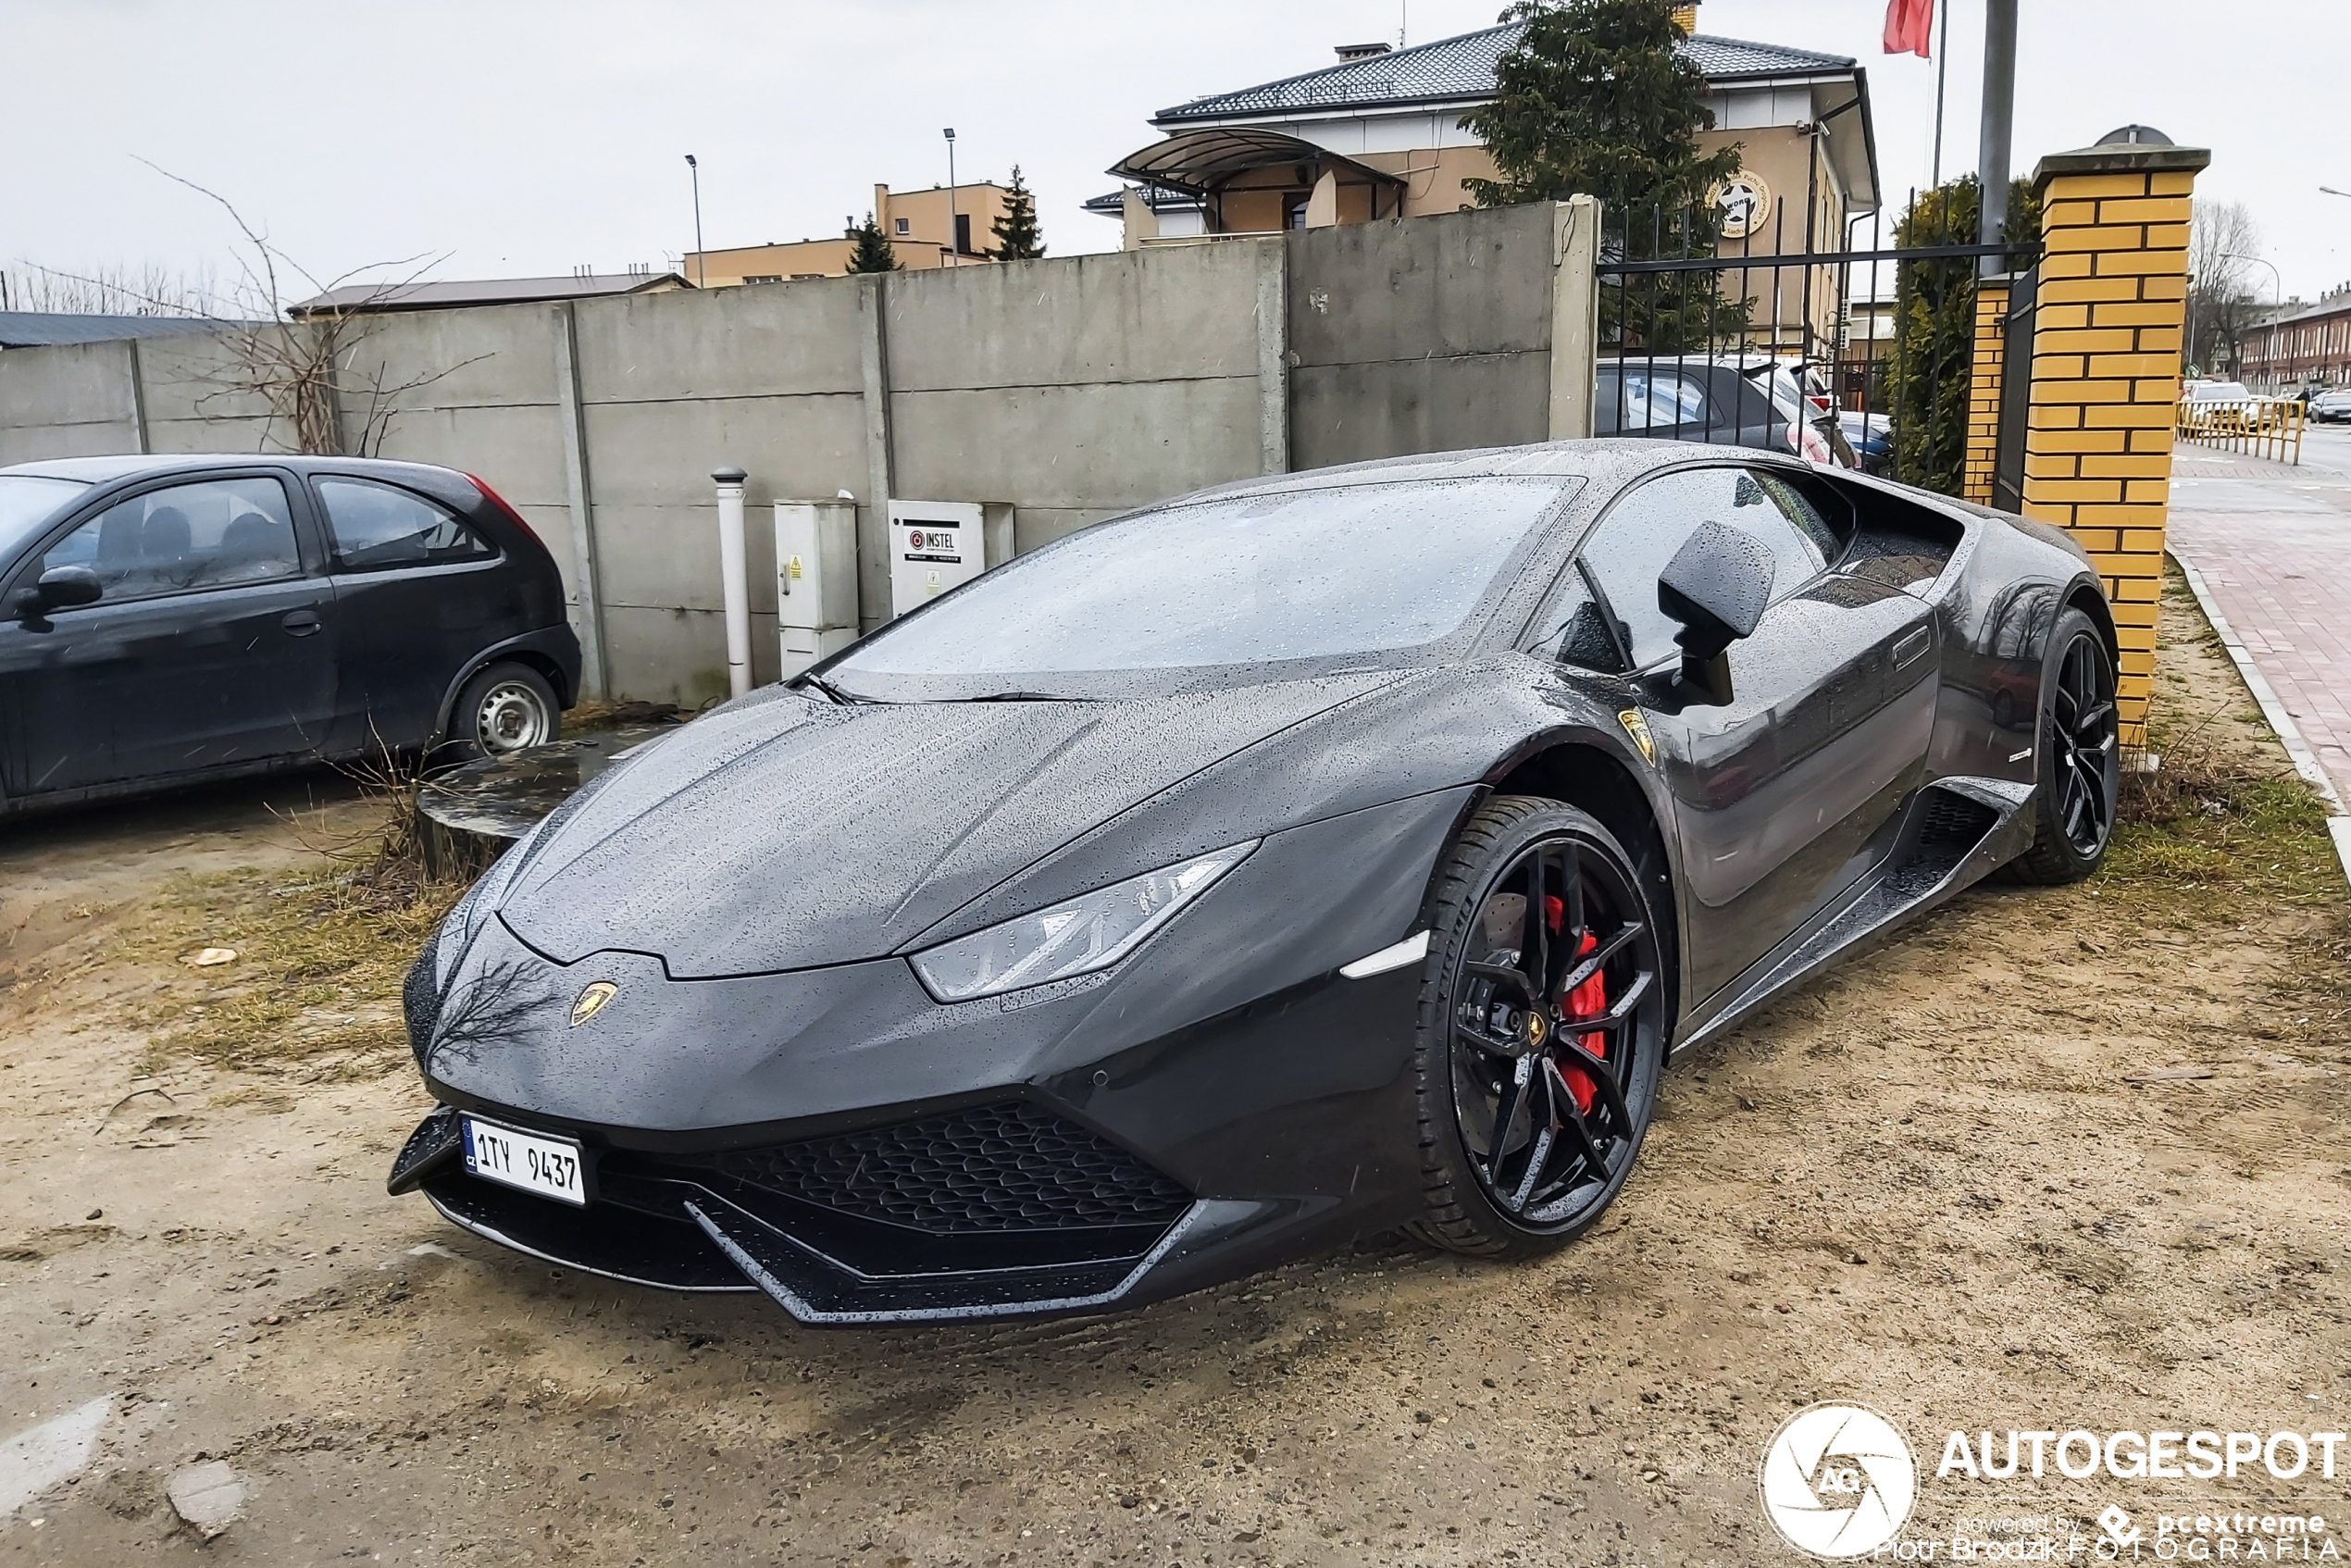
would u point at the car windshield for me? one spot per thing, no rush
(27, 501)
(1293, 576)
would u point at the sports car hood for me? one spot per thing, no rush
(784, 832)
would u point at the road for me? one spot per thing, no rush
(2272, 542)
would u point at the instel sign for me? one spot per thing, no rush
(934, 546)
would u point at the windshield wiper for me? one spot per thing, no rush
(818, 683)
(1028, 697)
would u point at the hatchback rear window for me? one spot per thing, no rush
(380, 526)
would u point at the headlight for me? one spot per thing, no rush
(1089, 932)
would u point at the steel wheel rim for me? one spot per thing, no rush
(2084, 747)
(511, 717)
(1545, 1155)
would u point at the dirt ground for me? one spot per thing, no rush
(2055, 1159)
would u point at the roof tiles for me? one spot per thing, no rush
(1463, 68)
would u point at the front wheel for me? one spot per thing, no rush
(506, 708)
(2080, 763)
(1543, 1027)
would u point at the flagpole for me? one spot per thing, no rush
(1999, 102)
(1942, 67)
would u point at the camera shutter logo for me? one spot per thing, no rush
(1838, 1480)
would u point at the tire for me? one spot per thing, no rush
(2077, 760)
(1498, 1182)
(503, 709)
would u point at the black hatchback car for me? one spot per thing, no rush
(166, 620)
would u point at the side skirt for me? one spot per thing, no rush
(1978, 826)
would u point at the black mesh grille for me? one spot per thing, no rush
(993, 1169)
(1948, 818)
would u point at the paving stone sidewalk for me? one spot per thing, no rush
(2273, 544)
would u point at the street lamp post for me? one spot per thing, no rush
(2277, 287)
(701, 262)
(954, 240)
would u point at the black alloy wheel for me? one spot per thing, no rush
(1548, 1017)
(2080, 757)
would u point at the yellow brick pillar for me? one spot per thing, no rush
(1984, 391)
(2112, 306)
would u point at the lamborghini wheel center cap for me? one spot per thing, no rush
(1537, 1028)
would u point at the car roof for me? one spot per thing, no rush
(106, 470)
(1609, 462)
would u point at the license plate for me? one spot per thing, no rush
(553, 1167)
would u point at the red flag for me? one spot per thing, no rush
(1908, 25)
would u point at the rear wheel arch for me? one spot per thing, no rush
(1591, 778)
(2087, 598)
(531, 658)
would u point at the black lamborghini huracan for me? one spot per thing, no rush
(1300, 859)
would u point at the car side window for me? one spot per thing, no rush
(1638, 398)
(1629, 551)
(377, 528)
(184, 538)
(1806, 511)
(1573, 630)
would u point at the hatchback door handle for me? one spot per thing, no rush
(1912, 644)
(302, 622)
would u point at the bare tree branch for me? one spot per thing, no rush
(301, 369)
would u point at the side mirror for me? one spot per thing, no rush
(1716, 586)
(60, 588)
(64, 588)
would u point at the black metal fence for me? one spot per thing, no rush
(1800, 336)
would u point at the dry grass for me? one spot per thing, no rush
(320, 957)
(2224, 827)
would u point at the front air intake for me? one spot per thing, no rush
(1005, 1167)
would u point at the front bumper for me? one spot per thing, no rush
(863, 1155)
(1006, 1207)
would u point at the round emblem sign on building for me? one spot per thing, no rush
(1741, 204)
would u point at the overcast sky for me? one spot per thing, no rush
(511, 137)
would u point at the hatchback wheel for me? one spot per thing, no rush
(506, 708)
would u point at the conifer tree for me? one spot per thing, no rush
(1015, 228)
(1926, 384)
(1595, 99)
(873, 252)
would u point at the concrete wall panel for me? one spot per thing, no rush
(1350, 413)
(1475, 282)
(518, 448)
(778, 339)
(1103, 446)
(1181, 313)
(644, 454)
(66, 386)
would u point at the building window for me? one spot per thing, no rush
(964, 233)
(1294, 212)
(763, 278)
(902, 225)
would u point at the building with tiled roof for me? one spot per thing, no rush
(1380, 135)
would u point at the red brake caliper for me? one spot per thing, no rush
(1587, 1001)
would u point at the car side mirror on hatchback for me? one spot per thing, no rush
(60, 588)
(1716, 586)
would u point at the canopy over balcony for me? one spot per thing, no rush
(1276, 172)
